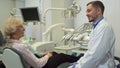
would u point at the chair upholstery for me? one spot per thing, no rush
(12, 59)
(2, 40)
(118, 60)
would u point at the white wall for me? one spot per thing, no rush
(31, 3)
(5, 8)
(57, 18)
(19, 4)
(112, 14)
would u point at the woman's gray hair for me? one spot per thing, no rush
(10, 25)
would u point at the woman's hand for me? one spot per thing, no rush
(49, 54)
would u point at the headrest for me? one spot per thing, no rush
(2, 40)
(117, 58)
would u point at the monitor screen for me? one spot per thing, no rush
(30, 14)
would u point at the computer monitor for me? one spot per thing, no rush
(30, 14)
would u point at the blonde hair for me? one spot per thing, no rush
(10, 25)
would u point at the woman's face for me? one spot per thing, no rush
(19, 31)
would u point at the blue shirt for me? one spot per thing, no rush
(97, 21)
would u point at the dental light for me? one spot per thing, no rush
(72, 11)
(69, 12)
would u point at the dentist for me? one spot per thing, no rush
(100, 53)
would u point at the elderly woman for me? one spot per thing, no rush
(14, 30)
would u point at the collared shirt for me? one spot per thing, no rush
(28, 56)
(97, 21)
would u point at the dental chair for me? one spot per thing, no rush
(2, 42)
(118, 61)
(12, 59)
(64, 65)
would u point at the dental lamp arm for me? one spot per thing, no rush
(44, 14)
(51, 28)
(68, 29)
(44, 17)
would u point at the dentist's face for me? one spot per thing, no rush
(91, 13)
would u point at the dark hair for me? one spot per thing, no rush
(97, 4)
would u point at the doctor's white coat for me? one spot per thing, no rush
(100, 52)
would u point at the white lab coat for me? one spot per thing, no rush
(100, 52)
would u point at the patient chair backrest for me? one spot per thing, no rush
(12, 59)
(118, 59)
(2, 40)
